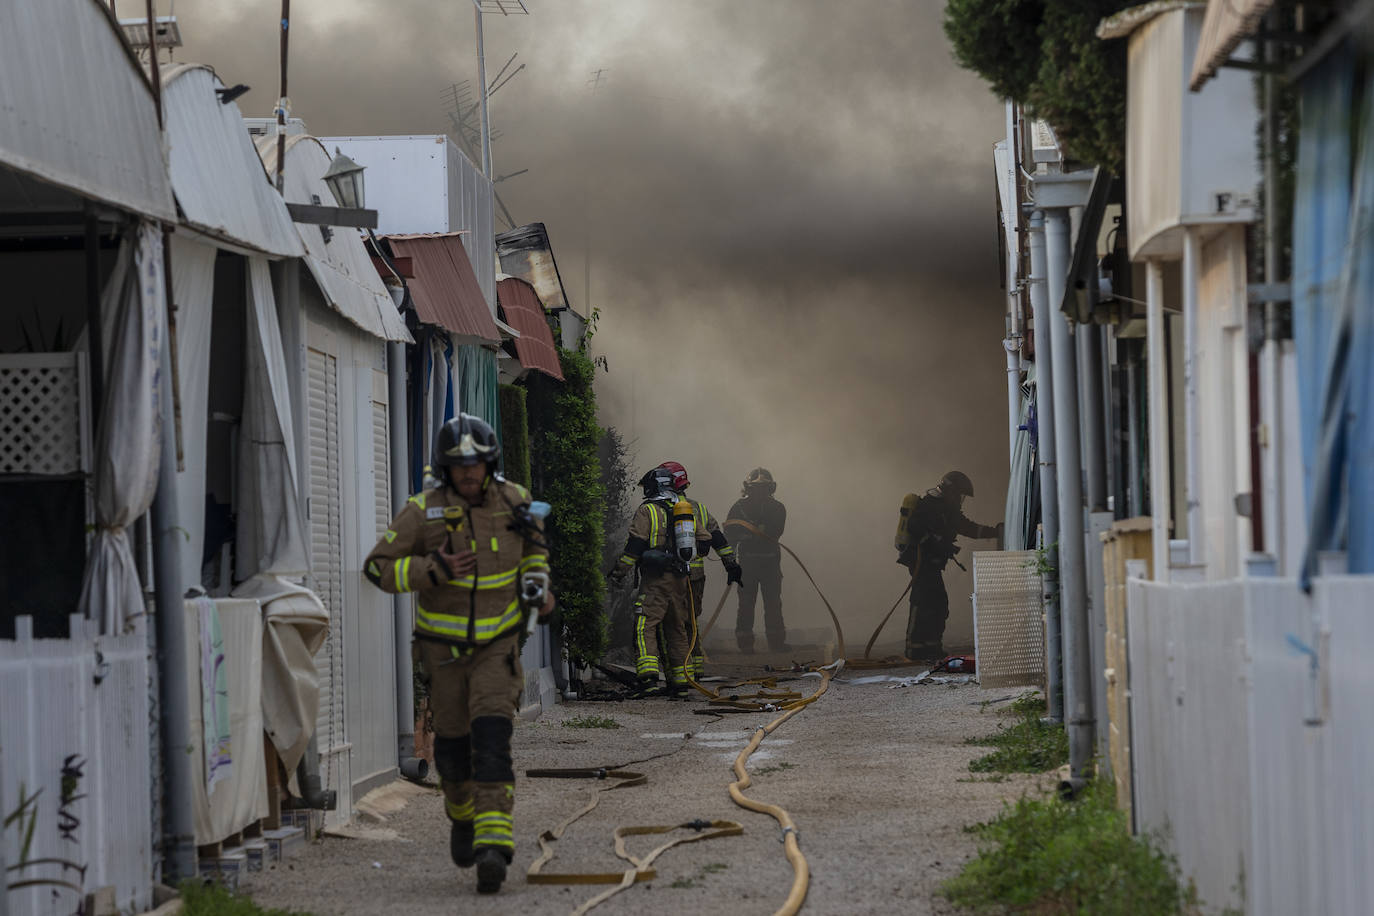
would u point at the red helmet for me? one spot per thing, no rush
(680, 481)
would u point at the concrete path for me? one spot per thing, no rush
(876, 778)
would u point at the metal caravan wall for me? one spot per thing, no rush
(1252, 762)
(346, 398)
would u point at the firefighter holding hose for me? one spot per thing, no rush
(756, 522)
(926, 531)
(473, 551)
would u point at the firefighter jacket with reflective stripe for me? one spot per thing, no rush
(709, 535)
(650, 529)
(472, 609)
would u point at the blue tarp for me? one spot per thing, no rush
(1333, 312)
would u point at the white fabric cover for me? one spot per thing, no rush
(133, 310)
(193, 292)
(295, 624)
(240, 798)
(271, 532)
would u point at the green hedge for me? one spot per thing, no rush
(515, 434)
(566, 473)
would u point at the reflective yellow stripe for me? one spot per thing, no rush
(455, 626)
(627, 560)
(418, 499)
(484, 583)
(403, 574)
(390, 536)
(494, 546)
(461, 812)
(653, 525)
(534, 561)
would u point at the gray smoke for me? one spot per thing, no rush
(788, 211)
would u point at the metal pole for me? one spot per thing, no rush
(1074, 624)
(409, 764)
(94, 332)
(1192, 402)
(1012, 345)
(1011, 219)
(1049, 489)
(1270, 492)
(179, 853)
(282, 101)
(4, 881)
(1088, 342)
(1134, 488)
(1157, 397)
(482, 88)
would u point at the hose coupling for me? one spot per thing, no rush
(782, 836)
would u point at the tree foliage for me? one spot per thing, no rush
(566, 473)
(1046, 55)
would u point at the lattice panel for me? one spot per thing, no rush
(1008, 619)
(40, 414)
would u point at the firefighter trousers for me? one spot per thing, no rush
(474, 694)
(663, 603)
(761, 574)
(929, 610)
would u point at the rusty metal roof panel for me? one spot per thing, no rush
(445, 288)
(526, 253)
(524, 312)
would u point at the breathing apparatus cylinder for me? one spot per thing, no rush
(903, 539)
(684, 530)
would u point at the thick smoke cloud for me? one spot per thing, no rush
(788, 210)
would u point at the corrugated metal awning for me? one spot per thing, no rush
(217, 176)
(341, 266)
(445, 288)
(524, 312)
(84, 118)
(1227, 24)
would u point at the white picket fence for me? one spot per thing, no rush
(74, 756)
(1251, 761)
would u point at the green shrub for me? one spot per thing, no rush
(566, 473)
(591, 722)
(1050, 856)
(1030, 745)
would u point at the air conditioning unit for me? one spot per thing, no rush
(267, 127)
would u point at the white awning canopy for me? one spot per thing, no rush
(341, 266)
(217, 176)
(81, 118)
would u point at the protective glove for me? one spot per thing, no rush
(734, 575)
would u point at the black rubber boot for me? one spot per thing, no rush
(491, 870)
(648, 687)
(460, 843)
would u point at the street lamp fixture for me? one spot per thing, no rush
(345, 180)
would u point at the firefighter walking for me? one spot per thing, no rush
(709, 537)
(476, 557)
(665, 597)
(926, 532)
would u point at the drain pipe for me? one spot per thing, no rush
(1157, 399)
(1192, 401)
(179, 834)
(1045, 383)
(1073, 606)
(412, 767)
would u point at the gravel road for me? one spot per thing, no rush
(876, 779)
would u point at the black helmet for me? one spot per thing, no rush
(466, 440)
(762, 478)
(956, 483)
(657, 482)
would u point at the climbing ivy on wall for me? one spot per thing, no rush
(566, 473)
(515, 435)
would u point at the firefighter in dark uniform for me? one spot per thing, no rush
(476, 557)
(756, 546)
(925, 543)
(709, 537)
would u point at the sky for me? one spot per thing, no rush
(784, 210)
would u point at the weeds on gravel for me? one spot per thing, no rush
(709, 869)
(1027, 746)
(1050, 856)
(200, 899)
(764, 771)
(591, 722)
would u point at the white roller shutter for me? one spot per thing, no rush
(381, 452)
(326, 546)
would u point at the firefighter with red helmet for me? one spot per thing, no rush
(665, 592)
(756, 522)
(474, 553)
(926, 531)
(709, 537)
